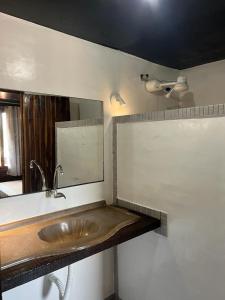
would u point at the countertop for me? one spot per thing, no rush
(16, 275)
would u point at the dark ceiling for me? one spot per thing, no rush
(174, 33)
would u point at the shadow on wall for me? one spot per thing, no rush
(46, 287)
(175, 101)
(178, 101)
(187, 100)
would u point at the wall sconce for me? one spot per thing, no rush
(115, 97)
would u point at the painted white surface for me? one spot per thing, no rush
(36, 59)
(80, 152)
(178, 167)
(89, 282)
(26, 206)
(206, 84)
(11, 188)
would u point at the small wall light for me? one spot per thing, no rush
(115, 97)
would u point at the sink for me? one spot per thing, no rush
(61, 233)
(68, 231)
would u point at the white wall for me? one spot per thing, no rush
(24, 206)
(91, 280)
(34, 58)
(178, 167)
(206, 83)
(37, 59)
(189, 264)
(85, 145)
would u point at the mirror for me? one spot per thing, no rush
(38, 132)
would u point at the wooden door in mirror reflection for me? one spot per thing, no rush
(39, 114)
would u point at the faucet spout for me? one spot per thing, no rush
(32, 163)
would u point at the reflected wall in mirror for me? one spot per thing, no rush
(81, 139)
(37, 132)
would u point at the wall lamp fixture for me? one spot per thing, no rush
(115, 97)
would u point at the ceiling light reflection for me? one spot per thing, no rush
(153, 3)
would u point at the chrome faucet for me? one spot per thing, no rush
(32, 163)
(55, 192)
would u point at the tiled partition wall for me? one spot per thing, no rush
(173, 162)
(209, 111)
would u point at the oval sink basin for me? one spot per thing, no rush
(69, 230)
(60, 233)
